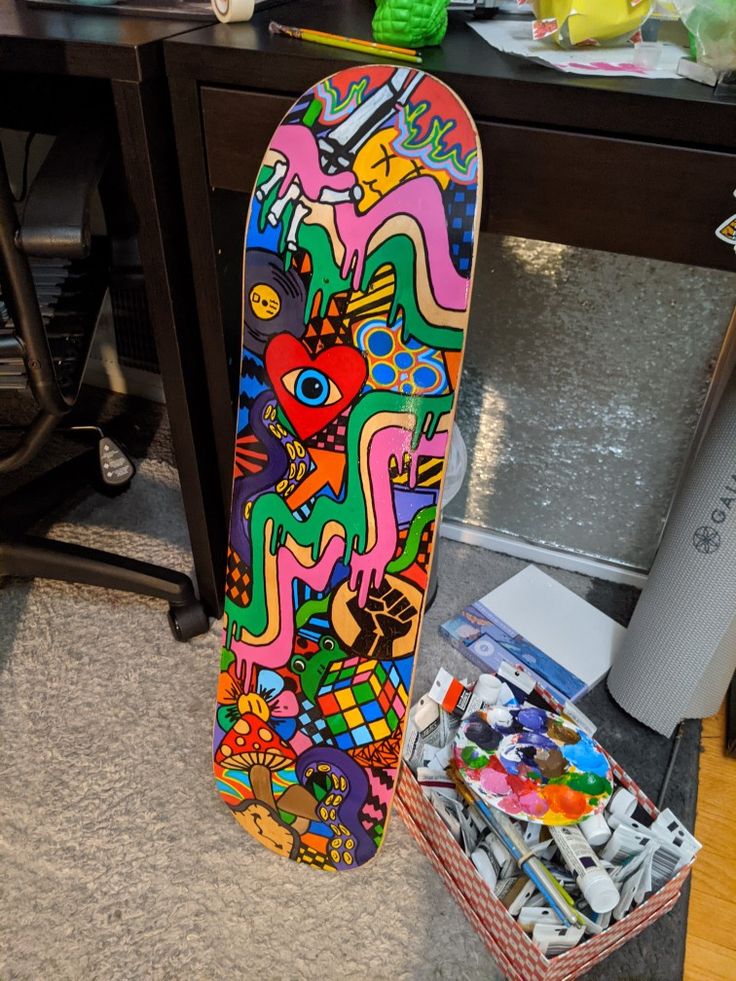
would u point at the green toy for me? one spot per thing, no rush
(410, 23)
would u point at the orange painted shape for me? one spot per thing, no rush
(329, 471)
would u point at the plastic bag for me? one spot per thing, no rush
(584, 22)
(712, 23)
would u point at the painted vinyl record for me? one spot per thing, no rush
(533, 765)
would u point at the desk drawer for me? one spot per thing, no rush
(663, 202)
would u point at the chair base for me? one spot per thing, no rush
(30, 556)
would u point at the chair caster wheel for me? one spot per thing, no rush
(188, 621)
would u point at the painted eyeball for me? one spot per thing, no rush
(328, 643)
(311, 387)
(298, 664)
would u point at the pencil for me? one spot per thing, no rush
(347, 43)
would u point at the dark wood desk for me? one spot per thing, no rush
(639, 167)
(101, 60)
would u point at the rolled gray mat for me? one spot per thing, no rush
(679, 654)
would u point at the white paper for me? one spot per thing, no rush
(515, 37)
(557, 621)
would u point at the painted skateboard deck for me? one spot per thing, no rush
(359, 251)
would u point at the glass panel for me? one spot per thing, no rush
(584, 376)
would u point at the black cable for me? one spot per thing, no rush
(671, 764)
(24, 180)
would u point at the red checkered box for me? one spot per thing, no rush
(516, 955)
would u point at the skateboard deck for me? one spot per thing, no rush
(358, 265)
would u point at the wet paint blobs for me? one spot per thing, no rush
(479, 732)
(590, 784)
(564, 800)
(474, 759)
(586, 756)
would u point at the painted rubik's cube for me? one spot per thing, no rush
(359, 702)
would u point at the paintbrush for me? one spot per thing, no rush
(532, 867)
(347, 43)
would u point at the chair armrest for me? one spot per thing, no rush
(56, 216)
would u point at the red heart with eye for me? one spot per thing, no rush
(313, 391)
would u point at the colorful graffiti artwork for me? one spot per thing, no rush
(358, 266)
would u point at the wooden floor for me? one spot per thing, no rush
(711, 933)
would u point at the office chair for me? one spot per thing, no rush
(53, 276)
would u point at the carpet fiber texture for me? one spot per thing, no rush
(119, 860)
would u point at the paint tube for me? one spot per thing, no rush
(532, 832)
(531, 915)
(622, 803)
(595, 883)
(595, 923)
(449, 693)
(666, 862)
(516, 677)
(436, 782)
(536, 900)
(437, 758)
(553, 940)
(624, 843)
(449, 811)
(673, 831)
(507, 886)
(673, 846)
(435, 726)
(485, 694)
(468, 832)
(413, 749)
(486, 868)
(539, 844)
(626, 898)
(596, 829)
(519, 896)
(501, 855)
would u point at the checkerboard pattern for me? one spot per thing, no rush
(460, 209)
(309, 856)
(423, 555)
(333, 436)
(513, 949)
(360, 702)
(237, 579)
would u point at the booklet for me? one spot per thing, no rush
(535, 622)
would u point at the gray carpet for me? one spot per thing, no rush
(119, 860)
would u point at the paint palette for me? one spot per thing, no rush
(533, 765)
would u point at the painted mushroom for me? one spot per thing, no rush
(261, 817)
(252, 745)
(252, 742)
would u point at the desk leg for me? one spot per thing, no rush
(144, 123)
(185, 105)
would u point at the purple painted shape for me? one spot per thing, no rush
(407, 503)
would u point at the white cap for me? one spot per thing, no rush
(487, 688)
(599, 889)
(596, 830)
(623, 803)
